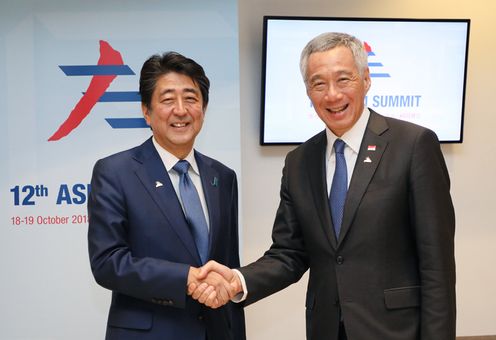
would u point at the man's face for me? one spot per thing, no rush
(336, 88)
(176, 113)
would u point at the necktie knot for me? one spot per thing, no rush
(181, 167)
(339, 146)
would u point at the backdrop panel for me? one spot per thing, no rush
(63, 107)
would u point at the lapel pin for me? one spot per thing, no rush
(367, 160)
(371, 147)
(215, 182)
(158, 184)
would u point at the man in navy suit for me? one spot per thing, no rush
(381, 260)
(142, 245)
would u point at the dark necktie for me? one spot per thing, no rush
(339, 187)
(193, 209)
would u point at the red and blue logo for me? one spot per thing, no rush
(109, 66)
(375, 65)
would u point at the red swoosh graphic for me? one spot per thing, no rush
(97, 87)
(367, 47)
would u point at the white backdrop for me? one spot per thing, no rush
(47, 290)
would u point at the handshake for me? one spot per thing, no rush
(214, 285)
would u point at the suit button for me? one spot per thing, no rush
(339, 259)
(200, 317)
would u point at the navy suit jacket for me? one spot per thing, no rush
(141, 247)
(391, 273)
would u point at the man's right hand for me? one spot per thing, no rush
(213, 284)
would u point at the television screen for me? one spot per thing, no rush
(417, 67)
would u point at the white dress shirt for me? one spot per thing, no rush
(352, 139)
(169, 161)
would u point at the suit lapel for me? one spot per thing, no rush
(155, 179)
(369, 157)
(317, 171)
(211, 186)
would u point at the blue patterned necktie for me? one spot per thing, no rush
(193, 209)
(339, 187)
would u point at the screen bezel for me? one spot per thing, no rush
(266, 20)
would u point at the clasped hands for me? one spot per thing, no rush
(214, 284)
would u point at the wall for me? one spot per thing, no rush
(471, 165)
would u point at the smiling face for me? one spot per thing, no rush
(336, 88)
(175, 113)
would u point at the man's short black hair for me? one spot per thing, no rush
(159, 65)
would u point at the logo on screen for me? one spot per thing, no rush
(375, 66)
(110, 65)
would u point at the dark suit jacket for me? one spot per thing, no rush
(391, 273)
(141, 247)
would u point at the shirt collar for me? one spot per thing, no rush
(170, 160)
(353, 137)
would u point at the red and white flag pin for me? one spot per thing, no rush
(371, 148)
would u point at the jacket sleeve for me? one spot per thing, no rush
(112, 262)
(433, 220)
(286, 260)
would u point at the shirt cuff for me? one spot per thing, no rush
(241, 296)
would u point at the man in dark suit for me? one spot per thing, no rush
(159, 211)
(381, 256)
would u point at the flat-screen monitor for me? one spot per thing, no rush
(418, 70)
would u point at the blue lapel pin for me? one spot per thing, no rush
(215, 182)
